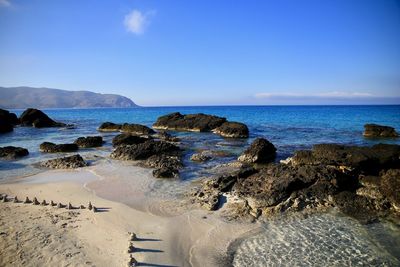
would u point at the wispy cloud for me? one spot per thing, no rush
(334, 94)
(5, 3)
(136, 21)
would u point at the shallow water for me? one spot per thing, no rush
(327, 239)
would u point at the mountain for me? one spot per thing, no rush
(24, 97)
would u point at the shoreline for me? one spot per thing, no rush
(186, 245)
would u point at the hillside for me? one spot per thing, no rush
(24, 97)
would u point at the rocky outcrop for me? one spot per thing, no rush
(109, 127)
(201, 123)
(38, 119)
(71, 162)
(163, 135)
(89, 141)
(128, 139)
(56, 148)
(165, 173)
(375, 130)
(143, 151)
(361, 181)
(232, 130)
(260, 151)
(136, 129)
(12, 152)
(7, 121)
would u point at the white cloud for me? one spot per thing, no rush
(5, 3)
(136, 21)
(334, 94)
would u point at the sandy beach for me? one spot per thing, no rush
(36, 235)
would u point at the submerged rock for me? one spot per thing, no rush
(12, 152)
(136, 129)
(71, 162)
(128, 139)
(89, 141)
(49, 147)
(38, 119)
(109, 127)
(232, 130)
(375, 130)
(260, 151)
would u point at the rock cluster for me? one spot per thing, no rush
(38, 119)
(89, 141)
(361, 181)
(71, 162)
(201, 123)
(260, 151)
(12, 152)
(49, 147)
(132, 128)
(375, 130)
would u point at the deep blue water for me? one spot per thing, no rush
(289, 128)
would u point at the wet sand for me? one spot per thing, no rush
(168, 235)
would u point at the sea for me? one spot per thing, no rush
(310, 241)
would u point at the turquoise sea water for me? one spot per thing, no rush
(289, 128)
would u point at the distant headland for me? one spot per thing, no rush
(24, 97)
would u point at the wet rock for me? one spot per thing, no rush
(136, 129)
(260, 151)
(143, 151)
(201, 157)
(71, 162)
(89, 141)
(368, 160)
(11, 152)
(390, 187)
(192, 122)
(165, 172)
(128, 139)
(5, 127)
(164, 161)
(8, 117)
(109, 127)
(49, 147)
(38, 119)
(232, 130)
(375, 130)
(163, 135)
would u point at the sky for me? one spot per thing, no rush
(206, 52)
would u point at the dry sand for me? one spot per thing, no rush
(47, 236)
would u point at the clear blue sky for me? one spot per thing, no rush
(206, 52)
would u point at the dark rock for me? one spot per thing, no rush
(136, 129)
(232, 130)
(390, 187)
(165, 173)
(375, 130)
(8, 117)
(163, 135)
(38, 119)
(109, 127)
(128, 139)
(192, 122)
(75, 161)
(365, 159)
(260, 151)
(5, 127)
(89, 141)
(143, 151)
(55, 148)
(164, 161)
(11, 152)
(201, 157)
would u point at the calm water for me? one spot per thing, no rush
(289, 127)
(319, 240)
